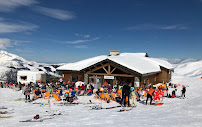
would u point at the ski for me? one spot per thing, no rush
(33, 120)
(97, 107)
(113, 107)
(5, 116)
(3, 107)
(123, 109)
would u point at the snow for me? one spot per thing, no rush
(82, 64)
(135, 61)
(174, 113)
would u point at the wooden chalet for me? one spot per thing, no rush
(137, 69)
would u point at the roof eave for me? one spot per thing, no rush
(151, 73)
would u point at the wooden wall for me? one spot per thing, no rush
(164, 75)
(68, 76)
(149, 79)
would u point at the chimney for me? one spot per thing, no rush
(114, 52)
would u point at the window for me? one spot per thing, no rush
(23, 78)
(74, 78)
(137, 79)
(146, 81)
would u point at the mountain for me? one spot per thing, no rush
(180, 61)
(186, 67)
(9, 61)
(191, 69)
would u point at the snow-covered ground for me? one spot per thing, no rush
(175, 112)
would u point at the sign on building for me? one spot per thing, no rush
(108, 77)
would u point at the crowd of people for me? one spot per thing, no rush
(69, 91)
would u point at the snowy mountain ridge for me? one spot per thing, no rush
(186, 67)
(191, 69)
(180, 61)
(10, 61)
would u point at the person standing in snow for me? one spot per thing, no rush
(150, 94)
(183, 91)
(133, 96)
(27, 93)
(125, 93)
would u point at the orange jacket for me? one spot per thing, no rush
(151, 90)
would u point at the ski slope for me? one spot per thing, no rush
(174, 113)
(191, 69)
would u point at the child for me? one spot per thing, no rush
(133, 96)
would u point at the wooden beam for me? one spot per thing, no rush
(113, 70)
(121, 75)
(109, 68)
(95, 69)
(120, 68)
(105, 70)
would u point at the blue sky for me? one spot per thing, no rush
(71, 30)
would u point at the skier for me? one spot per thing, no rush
(27, 93)
(150, 94)
(183, 91)
(133, 95)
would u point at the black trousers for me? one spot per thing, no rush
(27, 97)
(149, 96)
(183, 94)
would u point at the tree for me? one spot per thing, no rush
(11, 75)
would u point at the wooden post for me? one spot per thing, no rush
(86, 78)
(109, 68)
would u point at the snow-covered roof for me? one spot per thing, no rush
(134, 61)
